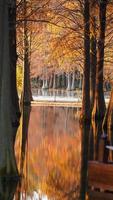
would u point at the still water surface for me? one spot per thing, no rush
(53, 154)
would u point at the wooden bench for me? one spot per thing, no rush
(100, 181)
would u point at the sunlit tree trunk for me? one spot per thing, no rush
(73, 81)
(93, 61)
(13, 59)
(69, 81)
(99, 103)
(43, 86)
(27, 85)
(55, 81)
(85, 114)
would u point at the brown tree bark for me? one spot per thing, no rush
(27, 85)
(99, 103)
(8, 167)
(13, 60)
(85, 114)
(93, 60)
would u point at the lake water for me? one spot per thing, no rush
(53, 154)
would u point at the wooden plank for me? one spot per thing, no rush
(96, 195)
(56, 104)
(100, 175)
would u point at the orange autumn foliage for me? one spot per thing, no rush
(54, 167)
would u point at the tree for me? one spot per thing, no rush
(13, 61)
(93, 60)
(86, 70)
(8, 167)
(99, 102)
(27, 86)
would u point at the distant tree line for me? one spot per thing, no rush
(69, 81)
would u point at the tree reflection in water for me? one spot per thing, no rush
(85, 130)
(53, 156)
(21, 151)
(56, 159)
(56, 164)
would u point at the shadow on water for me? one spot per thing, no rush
(25, 123)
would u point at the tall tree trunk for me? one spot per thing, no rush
(43, 86)
(93, 61)
(55, 81)
(99, 103)
(2, 9)
(8, 167)
(73, 81)
(51, 81)
(85, 114)
(27, 84)
(13, 59)
(69, 81)
(80, 81)
(63, 81)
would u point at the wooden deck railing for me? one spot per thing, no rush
(100, 181)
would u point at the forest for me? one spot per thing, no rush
(54, 44)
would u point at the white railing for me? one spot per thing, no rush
(57, 95)
(61, 95)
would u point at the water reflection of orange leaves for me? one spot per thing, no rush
(56, 163)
